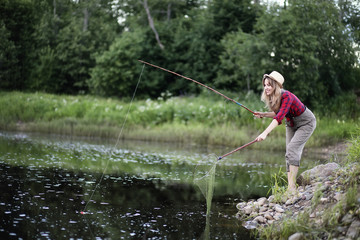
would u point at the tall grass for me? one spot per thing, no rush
(27, 107)
(207, 119)
(279, 185)
(354, 149)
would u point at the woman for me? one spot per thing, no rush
(300, 121)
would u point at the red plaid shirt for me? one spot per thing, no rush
(290, 107)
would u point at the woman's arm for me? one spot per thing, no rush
(268, 130)
(264, 114)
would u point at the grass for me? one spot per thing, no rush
(206, 119)
(279, 185)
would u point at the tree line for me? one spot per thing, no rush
(92, 46)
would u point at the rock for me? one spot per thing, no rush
(320, 171)
(328, 185)
(288, 202)
(248, 210)
(279, 209)
(262, 209)
(277, 216)
(307, 196)
(250, 224)
(324, 188)
(297, 199)
(342, 229)
(271, 222)
(271, 199)
(260, 219)
(338, 196)
(353, 231)
(261, 201)
(324, 200)
(296, 236)
(293, 200)
(241, 205)
(268, 216)
(347, 219)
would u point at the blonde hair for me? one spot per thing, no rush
(272, 101)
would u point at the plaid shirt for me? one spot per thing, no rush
(290, 107)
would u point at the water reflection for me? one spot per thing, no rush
(46, 183)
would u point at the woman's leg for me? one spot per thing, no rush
(295, 145)
(290, 131)
(293, 170)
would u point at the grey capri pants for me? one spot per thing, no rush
(297, 136)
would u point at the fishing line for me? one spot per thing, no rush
(117, 141)
(187, 78)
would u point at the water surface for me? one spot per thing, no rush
(140, 190)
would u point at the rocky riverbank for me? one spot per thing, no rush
(323, 207)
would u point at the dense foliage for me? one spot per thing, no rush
(92, 46)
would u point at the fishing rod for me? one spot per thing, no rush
(239, 148)
(217, 92)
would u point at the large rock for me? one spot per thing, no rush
(320, 171)
(261, 201)
(353, 231)
(296, 236)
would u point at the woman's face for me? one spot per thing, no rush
(269, 89)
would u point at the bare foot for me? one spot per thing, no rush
(291, 191)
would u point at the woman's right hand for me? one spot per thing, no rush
(258, 114)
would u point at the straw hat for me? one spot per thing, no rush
(274, 75)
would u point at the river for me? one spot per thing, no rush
(55, 187)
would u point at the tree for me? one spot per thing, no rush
(73, 58)
(17, 21)
(69, 36)
(306, 42)
(243, 58)
(8, 59)
(350, 15)
(196, 43)
(116, 70)
(230, 15)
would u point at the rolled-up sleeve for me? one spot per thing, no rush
(286, 101)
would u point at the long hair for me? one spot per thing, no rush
(272, 101)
